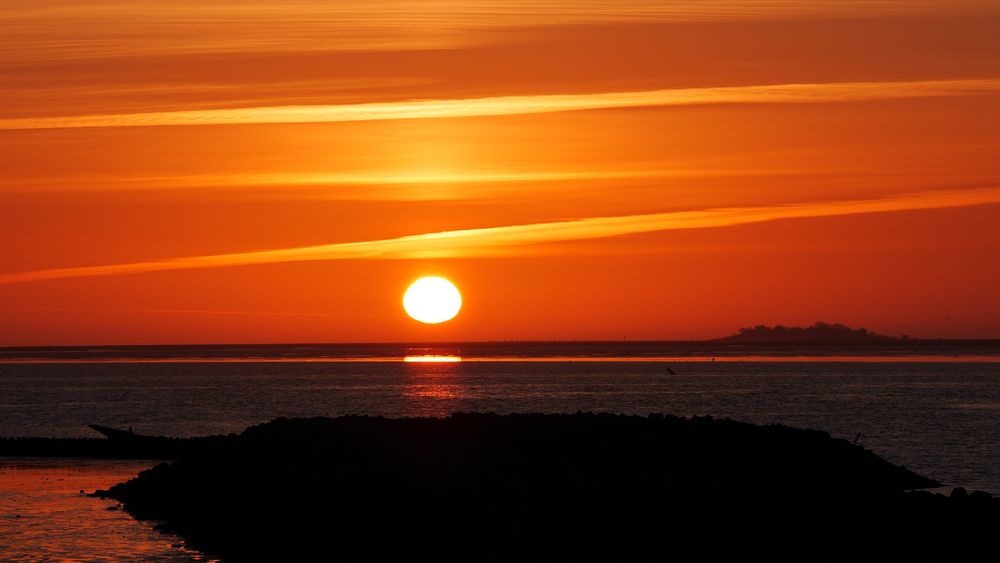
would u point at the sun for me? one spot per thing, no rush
(432, 300)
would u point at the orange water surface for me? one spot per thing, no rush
(46, 515)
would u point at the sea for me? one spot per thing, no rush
(933, 407)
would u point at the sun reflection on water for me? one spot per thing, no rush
(432, 359)
(433, 385)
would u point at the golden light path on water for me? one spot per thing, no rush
(432, 359)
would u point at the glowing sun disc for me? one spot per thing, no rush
(432, 300)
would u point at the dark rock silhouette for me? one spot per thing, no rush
(584, 487)
(819, 333)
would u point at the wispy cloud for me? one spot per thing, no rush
(67, 29)
(503, 240)
(519, 105)
(375, 185)
(147, 311)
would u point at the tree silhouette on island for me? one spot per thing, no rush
(819, 333)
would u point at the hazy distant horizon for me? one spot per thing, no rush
(903, 340)
(922, 351)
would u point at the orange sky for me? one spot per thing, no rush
(260, 171)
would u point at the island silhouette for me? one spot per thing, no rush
(818, 333)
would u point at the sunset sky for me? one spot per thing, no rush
(260, 171)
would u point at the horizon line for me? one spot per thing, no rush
(583, 341)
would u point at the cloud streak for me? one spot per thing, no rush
(181, 312)
(520, 105)
(377, 185)
(505, 240)
(69, 29)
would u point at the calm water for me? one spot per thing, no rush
(45, 517)
(940, 418)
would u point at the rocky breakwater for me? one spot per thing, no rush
(583, 487)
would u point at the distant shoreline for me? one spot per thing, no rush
(896, 350)
(611, 359)
(557, 342)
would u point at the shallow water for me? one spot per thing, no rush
(44, 516)
(941, 419)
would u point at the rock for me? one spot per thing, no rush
(980, 498)
(544, 487)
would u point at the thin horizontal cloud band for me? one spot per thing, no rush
(519, 105)
(497, 241)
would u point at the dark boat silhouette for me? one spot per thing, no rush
(116, 434)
